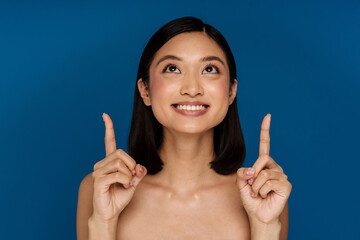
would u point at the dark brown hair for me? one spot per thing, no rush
(146, 134)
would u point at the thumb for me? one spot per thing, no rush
(243, 175)
(140, 173)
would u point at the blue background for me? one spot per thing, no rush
(62, 64)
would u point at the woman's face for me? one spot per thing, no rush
(189, 87)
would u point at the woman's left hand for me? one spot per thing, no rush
(264, 188)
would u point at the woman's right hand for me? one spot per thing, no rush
(115, 178)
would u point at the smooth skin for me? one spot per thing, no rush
(186, 197)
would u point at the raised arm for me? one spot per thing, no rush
(104, 193)
(264, 190)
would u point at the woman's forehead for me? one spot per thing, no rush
(191, 46)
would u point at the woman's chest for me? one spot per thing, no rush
(200, 217)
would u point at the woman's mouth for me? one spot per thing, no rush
(191, 107)
(192, 110)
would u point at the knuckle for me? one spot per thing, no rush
(264, 157)
(95, 175)
(119, 152)
(269, 184)
(265, 174)
(118, 163)
(96, 166)
(133, 163)
(264, 140)
(117, 175)
(280, 167)
(121, 177)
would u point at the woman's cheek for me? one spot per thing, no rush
(219, 93)
(161, 91)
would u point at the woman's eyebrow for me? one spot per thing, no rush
(207, 58)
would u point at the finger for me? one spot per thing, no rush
(141, 172)
(243, 174)
(264, 147)
(280, 187)
(265, 176)
(111, 167)
(118, 154)
(102, 184)
(265, 161)
(110, 143)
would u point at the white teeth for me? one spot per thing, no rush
(191, 107)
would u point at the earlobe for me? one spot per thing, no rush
(144, 91)
(233, 92)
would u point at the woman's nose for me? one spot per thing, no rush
(191, 86)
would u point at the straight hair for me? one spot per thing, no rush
(146, 133)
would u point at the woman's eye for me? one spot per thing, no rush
(171, 68)
(210, 68)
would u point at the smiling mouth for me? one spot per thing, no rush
(191, 107)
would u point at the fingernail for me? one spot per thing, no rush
(252, 194)
(133, 172)
(103, 116)
(251, 181)
(133, 182)
(141, 169)
(250, 171)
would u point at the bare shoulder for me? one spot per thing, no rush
(86, 189)
(87, 180)
(84, 207)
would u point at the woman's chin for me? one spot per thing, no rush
(194, 130)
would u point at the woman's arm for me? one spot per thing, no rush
(261, 231)
(100, 230)
(87, 226)
(277, 230)
(264, 190)
(284, 220)
(84, 207)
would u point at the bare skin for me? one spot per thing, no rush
(159, 212)
(186, 199)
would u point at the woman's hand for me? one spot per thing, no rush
(264, 188)
(115, 178)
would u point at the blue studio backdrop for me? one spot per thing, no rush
(64, 63)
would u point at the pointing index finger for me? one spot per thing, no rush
(264, 147)
(110, 143)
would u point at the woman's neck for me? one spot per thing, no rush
(187, 160)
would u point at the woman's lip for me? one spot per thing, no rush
(191, 103)
(190, 113)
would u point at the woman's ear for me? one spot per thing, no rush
(233, 92)
(144, 91)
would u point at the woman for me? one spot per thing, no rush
(182, 178)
